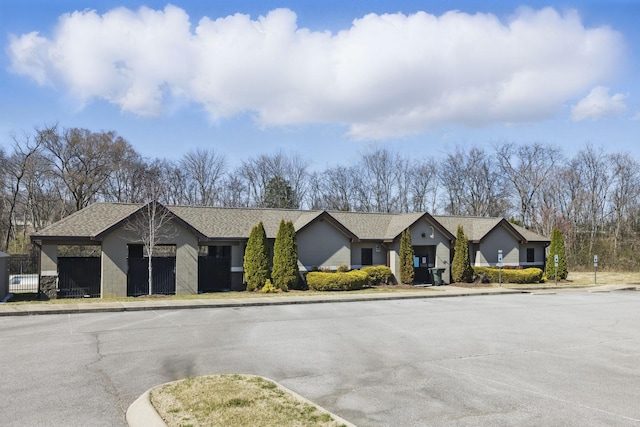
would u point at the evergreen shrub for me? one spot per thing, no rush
(378, 274)
(285, 257)
(338, 281)
(525, 275)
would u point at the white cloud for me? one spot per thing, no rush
(386, 75)
(598, 105)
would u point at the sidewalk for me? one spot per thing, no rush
(77, 306)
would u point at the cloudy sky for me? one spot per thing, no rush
(325, 79)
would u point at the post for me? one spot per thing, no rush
(555, 261)
(500, 267)
(595, 268)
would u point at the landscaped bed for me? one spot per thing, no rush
(235, 400)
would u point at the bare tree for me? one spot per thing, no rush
(153, 222)
(526, 168)
(473, 184)
(123, 184)
(17, 166)
(256, 173)
(423, 185)
(204, 170)
(624, 194)
(83, 160)
(379, 178)
(338, 188)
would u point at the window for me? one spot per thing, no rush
(366, 256)
(531, 255)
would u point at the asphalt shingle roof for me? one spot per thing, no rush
(236, 223)
(90, 221)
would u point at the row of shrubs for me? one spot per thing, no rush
(349, 280)
(525, 275)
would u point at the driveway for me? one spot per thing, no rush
(529, 360)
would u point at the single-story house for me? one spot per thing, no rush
(97, 252)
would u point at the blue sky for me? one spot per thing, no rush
(325, 79)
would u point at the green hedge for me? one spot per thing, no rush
(338, 281)
(378, 274)
(525, 275)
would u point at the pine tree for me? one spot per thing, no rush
(285, 257)
(461, 270)
(406, 258)
(557, 248)
(256, 259)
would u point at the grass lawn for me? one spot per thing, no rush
(235, 400)
(575, 279)
(30, 298)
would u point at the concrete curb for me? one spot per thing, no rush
(98, 307)
(141, 413)
(150, 305)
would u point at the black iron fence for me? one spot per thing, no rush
(163, 276)
(23, 274)
(79, 277)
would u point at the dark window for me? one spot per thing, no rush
(219, 252)
(531, 255)
(136, 251)
(366, 256)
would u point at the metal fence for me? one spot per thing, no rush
(79, 277)
(163, 276)
(23, 274)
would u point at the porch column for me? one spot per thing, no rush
(49, 271)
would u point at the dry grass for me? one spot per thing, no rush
(575, 279)
(32, 297)
(234, 400)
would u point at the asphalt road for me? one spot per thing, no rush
(570, 359)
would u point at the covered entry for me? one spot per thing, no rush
(423, 261)
(163, 271)
(214, 269)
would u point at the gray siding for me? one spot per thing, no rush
(498, 239)
(378, 251)
(539, 255)
(322, 245)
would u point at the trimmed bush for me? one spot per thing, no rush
(557, 248)
(525, 275)
(407, 271)
(338, 281)
(378, 274)
(256, 259)
(461, 270)
(268, 287)
(284, 274)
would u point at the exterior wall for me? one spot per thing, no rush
(378, 250)
(498, 239)
(49, 259)
(186, 262)
(539, 255)
(432, 237)
(49, 271)
(321, 244)
(115, 265)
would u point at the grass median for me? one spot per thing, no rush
(235, 400)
